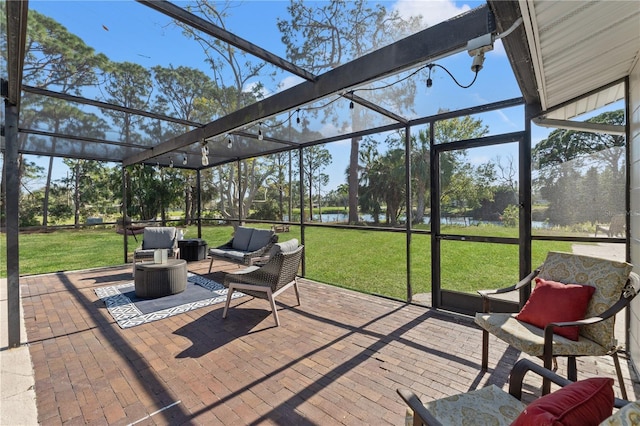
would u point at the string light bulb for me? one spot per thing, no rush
(260, 135)
(171, 163)
(184, 160)
(429, 81)
(229, 144)
(205, 153)
(298, 116)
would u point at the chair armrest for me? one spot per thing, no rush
(260, 260)
(487, 294)
(622, 303)
(226, 245)
(522, 283)
(419, 410)
(249, 256)
(520, 369)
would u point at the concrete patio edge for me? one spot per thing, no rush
(17, 393)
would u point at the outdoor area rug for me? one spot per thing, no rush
(129, 310)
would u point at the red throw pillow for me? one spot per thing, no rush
(583, 403)
(551, 301)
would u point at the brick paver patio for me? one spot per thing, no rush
(336, 359)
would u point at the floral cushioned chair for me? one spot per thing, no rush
(615, 286)
(587, 402)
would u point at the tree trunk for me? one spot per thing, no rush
(187, 204)
(76, 196)
(420, 202)
(310, 198)
(47, 189)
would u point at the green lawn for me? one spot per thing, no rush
(363, 260)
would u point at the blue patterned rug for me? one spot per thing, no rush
(129, 310)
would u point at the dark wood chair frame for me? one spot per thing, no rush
(421, 416)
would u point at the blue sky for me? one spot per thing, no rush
(129, 31)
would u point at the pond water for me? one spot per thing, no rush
(462, 221)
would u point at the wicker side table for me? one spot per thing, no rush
(160, 279)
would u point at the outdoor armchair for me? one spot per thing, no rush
(563, 280)
(267, 281)
(590, 401)
(155, 238)
(615, 228)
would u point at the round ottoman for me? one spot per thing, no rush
(160, 279)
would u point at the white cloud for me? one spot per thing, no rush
(250, 87)
(498, 48)
(435, 11)
(289, 82)
(432, 11)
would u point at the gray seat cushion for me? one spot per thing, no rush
(229, 253)
(241, 238)
(259, 239)
(235, 255)
(285, 247)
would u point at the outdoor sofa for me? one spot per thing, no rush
(247, 246)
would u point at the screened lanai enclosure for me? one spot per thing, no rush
(398, 147)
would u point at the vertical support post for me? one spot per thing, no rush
(409, 204)
(125, 234)
(627, 153)
(12, 197)
(290, 187)
(240, 212)
(524, 195)
(627, 206)
(434, 162)
(199, 201)
(301, 191)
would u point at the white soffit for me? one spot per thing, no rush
(578, 47)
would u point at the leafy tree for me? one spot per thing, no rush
(55, 57)
(452, 163)
(322, 37)
(387, 181)
(128, 85)
(58, 60)
(314, 159)
(88, 181)
(65, 118)
(184, 93)
(30, 202)
(586, 147)
(582, 169)
(338, 197)
(234, 77)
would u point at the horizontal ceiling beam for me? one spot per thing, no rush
(213, 30)
(427, 45)
(83, 139)
(377, 108)
(105, 105)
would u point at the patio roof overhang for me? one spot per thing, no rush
(571, 57)
(428, 45)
